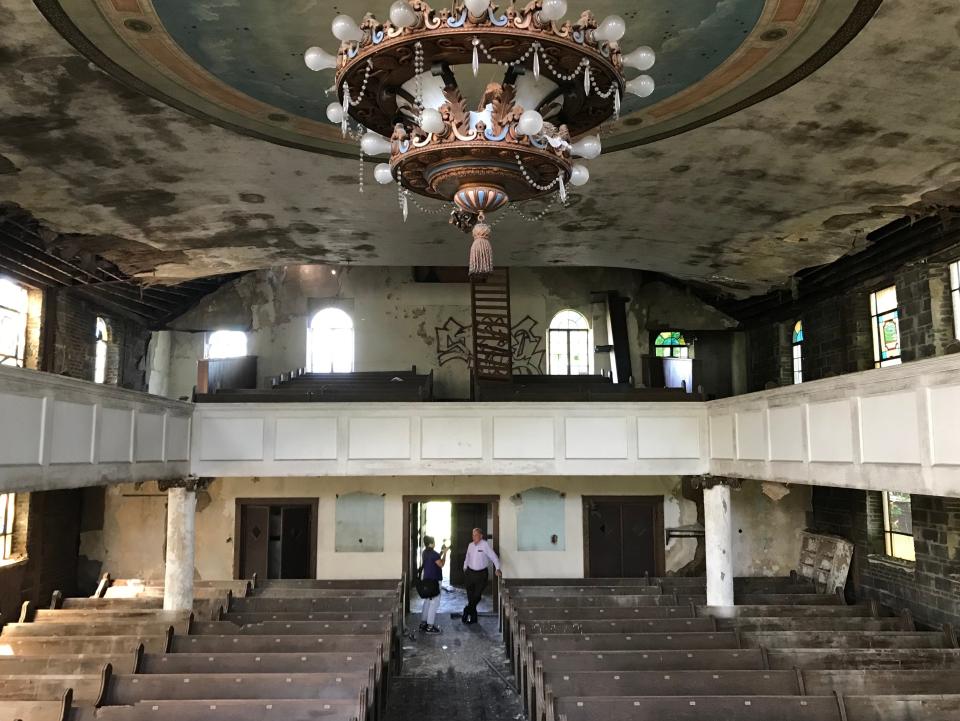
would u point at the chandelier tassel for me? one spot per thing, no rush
(616, 106)
(563, 188)
(481, 252)
(536, 63)
(586, 78)
(346, 107)
(476, 57)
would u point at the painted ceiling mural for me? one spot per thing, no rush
(240, 62)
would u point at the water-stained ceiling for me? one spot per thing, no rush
(764, 189)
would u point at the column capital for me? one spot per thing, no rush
(191, 483)
(708, 480)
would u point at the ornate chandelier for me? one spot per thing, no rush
(556, 82)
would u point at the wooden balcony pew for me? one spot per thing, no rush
(311, 662)
(232, 710)
(295, 628)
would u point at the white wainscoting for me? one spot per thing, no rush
(317, 439)
(58, 432)
(886, 429)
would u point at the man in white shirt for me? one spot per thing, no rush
(479, 556)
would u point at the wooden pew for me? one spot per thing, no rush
(94, 628)
(295, 628)
(943, 707)
(191, 663)
(276, 644)
(86, 688)
(384, 584)
(740, 683)
(257, 604)
(128, 690)
(242, 619)
(235, 710)
(38, 710)
(83, 665)
(282, 592)
(87, 645)
(863, 658)
(699, 708)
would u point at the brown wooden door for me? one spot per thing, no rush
(624, 537)
(464, 518)
(254, 541)
(295, 543)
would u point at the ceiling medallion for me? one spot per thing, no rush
(556, 83)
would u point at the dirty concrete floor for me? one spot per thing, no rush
(453, 676)
(452, 601)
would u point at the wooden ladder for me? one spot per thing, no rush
(492, 347)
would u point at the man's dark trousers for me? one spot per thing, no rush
(474, 582)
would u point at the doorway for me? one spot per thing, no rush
(450, 520)
(623, 536)
(276, 538)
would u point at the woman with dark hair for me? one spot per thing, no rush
(431, 573)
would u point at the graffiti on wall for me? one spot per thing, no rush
(527, 348)
(454, 344)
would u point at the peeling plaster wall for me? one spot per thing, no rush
(396, 319)
(132, 540)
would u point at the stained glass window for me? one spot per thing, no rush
(569, 344)
(13, 322)
(798, 352)
(885, 325)
(898, 525)
(7, 502)
(671, 344)
(226, 344)
(330, 346)
(955, 291)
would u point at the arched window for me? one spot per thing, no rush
(100, 357)
(226, 344)
(13, 322)
(330, 342)
(798, 352)
(569, 344)
(671, 344)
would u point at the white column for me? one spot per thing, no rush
(178, 577)
(718, 532)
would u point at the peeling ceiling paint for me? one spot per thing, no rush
(741, 204)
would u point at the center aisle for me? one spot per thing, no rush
(446, 677)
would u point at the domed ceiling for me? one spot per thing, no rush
(240, 63)
(859, 129)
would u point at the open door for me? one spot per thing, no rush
(465, 517)
(414, 537)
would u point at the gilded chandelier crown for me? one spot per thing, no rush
(556, 83)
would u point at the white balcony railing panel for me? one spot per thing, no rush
(58, 432)
(318, 439)
(886, 429)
